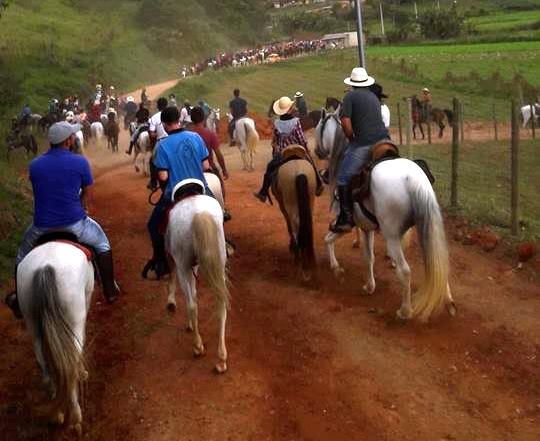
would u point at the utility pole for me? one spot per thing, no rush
(415, 11)
(360, 34)
(382, 18)
(439, 5)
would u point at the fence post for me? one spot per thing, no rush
(409, 127)
(533, 129)
(515, 170)
(461, 118)
(399, 124)
(455, 154)
(495, 123)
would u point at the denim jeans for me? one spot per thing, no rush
(158, 241)
(354, 159)
(87, 231)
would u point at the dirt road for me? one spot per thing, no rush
(305, 363)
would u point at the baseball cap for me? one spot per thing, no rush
(61, 131)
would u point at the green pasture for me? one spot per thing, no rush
(321, 76)
(505, 21)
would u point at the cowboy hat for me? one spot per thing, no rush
(130, 99)
(359, 78)
(283, 105)
(298, 94)
(425, 89)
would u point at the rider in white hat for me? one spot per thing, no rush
(363, 126)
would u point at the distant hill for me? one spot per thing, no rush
(54, 47)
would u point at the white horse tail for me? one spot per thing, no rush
(206, 244)
(62, 354)
(305, 228)
(252, 137)
(432, 294)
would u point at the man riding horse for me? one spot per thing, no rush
(238, 109)
(61, 182)
(426, 102)
(363, 125)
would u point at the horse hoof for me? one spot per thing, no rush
(58, 418)
(451, 308)
(404, 313)
(220, 367)
(369, 288)
(199, 352)
(171, 307)
(355, 244)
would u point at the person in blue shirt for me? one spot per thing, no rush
(181, 155)
(61, 183)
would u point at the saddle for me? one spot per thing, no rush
(293, 152)
(69, 238)
(183, 190)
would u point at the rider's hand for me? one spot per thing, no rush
(225, 175)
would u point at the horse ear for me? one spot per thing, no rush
(323, 113)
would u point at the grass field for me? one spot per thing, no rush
(322, 76)
(505, 21)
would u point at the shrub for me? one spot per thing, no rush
(441, 24)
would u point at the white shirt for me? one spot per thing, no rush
(184, 117)
(157, 126)
(385, 112)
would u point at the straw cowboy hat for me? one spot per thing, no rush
(283, 105)
(425, 89)
(359, 78)
(298, 94)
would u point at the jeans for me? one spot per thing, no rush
(354, 159)
(158, 240)
(87, 231)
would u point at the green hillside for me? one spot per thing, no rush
(55, 47)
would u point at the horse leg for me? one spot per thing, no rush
(171, 299)
(441, 129)
(357, 240)
(221, 366)
(414, 130)
(369, 239)
(186, 279)
(421, 130)
(450, 304)
(330, 240)
(135, 157)
(403, 271)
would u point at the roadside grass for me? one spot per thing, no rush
(484, 188)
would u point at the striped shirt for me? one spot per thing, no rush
(287, 132)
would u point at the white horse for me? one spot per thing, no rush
(104, 119)
(246, 138)
(196, 242)
(96, 128)
(526, 114)
(143, 148)
(212, 122)
(80, 141)
(55, 282)
(401, 197)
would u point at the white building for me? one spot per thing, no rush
(343, 39)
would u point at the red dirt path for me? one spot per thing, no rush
(305, 363)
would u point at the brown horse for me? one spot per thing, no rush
(111, 131)
(294, 189)
(423, 116)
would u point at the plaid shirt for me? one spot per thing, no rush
(282, 139)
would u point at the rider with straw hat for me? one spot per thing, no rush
(363, 126)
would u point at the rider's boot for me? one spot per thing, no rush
(104, 263)
(128, 151)
(345, 220)
(12, 301)
(262, 194)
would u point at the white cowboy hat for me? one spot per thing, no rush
(359, 78)
(283, 105)
(130, 99)
(111, 88)
(425, 89)
(298, 94)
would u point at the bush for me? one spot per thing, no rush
(442, 24)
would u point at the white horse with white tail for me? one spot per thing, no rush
(55, 282)
(196, 242)
(401, 196)
(530, 112)
(97, 131)
(246, 138)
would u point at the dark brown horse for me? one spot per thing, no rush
(421, 115)
(17, 139)
(111, 132)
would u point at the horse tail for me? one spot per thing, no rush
(252, 137)
(450, 116)
(206, 242)
(305, 227)
(62, 351)
(431, 297)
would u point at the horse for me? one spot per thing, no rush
(196, 243)
(294, 189)
(17, 139)
(246, 138)
(96, 128)
(48, 120)
(526, 114)
(212, 122)
(55, 282)
(112, 131)
(419, 117)
(86, 130)
(401, 197)
(143, 147)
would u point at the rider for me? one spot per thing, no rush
(287, 131)
(301, 104)
(141, 117)
(181, 155)
(130, 110)
(157, 133)
(238, 109)
(61, 183)
(144, 97)
(185, 114)
(385, 111)
(425, 101)
(172, 100)
(363, 125)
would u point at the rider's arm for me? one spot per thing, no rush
(163, 175)
(221, 162)
(86, 197)
(347, 127)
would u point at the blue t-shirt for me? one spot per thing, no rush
(57, 178)
(181, 154)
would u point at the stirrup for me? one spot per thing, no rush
(13, 303)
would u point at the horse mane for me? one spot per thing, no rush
(338, 150)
